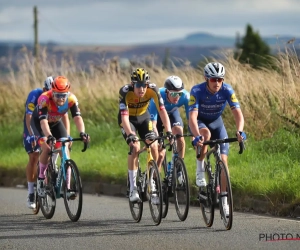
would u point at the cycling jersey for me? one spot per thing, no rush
(47, 109)
(30, 105)
(170, 107)
(211, 106)
(132, 105)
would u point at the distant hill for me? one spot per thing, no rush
(193, 48)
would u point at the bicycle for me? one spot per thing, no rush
(212, 194)
(176, 183)
(36, 200)
(144, 189)
(65, 182)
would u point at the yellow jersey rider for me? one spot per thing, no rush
(133, 117)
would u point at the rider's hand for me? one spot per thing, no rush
(32, 141)
(197, 141)
(170, 137)
(85, 137)
(131, 138)
(51, 139)
(70, 143)
(241, 135)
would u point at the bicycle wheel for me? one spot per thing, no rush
(36, 199)
(181, 189)
(73, 196)
(136, 208)
(155, 193)
(206, 197)
(164, 181)
(48, 203)
(227, 218)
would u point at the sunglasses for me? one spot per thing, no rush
(175, 94)
(60, 95)
(140, 85)
(216, 79)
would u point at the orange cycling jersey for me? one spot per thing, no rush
(47, 109)
(136, 106)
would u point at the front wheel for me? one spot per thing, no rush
(136, 208)
(48, 203)
(164, 181)
(206, 197)
(225, 198)
(155, 193)
(72, 191)
(181, 189)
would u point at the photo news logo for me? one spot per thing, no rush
(278, 236)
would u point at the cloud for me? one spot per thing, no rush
(132, 21)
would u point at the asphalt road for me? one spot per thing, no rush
(106, 223)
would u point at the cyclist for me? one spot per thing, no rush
(207, 103)
(29, 140)
(174, 96)
(133, 117)
(46, 122)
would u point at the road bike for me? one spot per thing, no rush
(64, 182)
(218, 188)
(144, 187)
(175, 183)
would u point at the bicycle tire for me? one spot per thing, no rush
(207, 205)
(155, 209)
(227, 220)
(37, 204)
(48, 203)
(164, 180)
(73, 204)
(136, 208)
(181, 189)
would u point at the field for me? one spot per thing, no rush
(268, 169)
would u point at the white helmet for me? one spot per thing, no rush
(174, 83)
(214, 69)
(48, 83)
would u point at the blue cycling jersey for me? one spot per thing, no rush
(170, 107)
(30, 104)
(211, 106)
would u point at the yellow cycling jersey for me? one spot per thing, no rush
(132, 105)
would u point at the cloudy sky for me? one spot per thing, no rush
(108, 22)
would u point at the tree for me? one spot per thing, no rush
(254, 50)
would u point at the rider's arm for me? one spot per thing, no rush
(66, 122)
(126, 124)
(79, 124)
(239, 119)
(193, 124)
(123, 109)
(45, 127)
(165, 119)
(27, 120)
(75, 112)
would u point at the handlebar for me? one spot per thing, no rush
(63, 140)
(148, 144)
(212, 143)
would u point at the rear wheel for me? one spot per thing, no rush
(73, 193)
(48, 203)
(206, 197)
(155, 193)
(164, 181)
(136, 208)
(225, 199)
(181, 189)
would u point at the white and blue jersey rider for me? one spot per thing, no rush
(174, 96)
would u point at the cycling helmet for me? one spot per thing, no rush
(48, 83)
(140, 75)
(174, 83)
(60, 84)
(214, 69)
